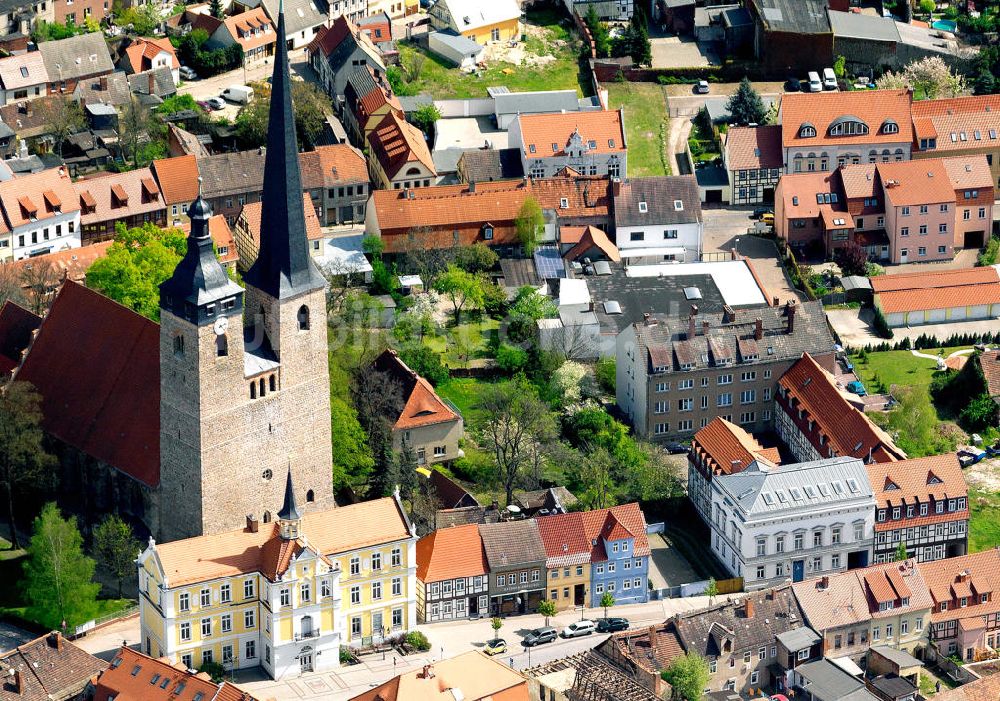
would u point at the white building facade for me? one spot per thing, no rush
(796, 522)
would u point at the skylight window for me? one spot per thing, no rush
(824, 490)
(591, 144)
(852, 484)
(611, 143)
(796, 494)
(555, 147)
(838, 487)
(781, 496)
(810, 491)
(678, 205)
(643, 207)
(768, 498)
(24, 71)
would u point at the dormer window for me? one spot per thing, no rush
(890, 127)
(848, 126)
(806, 130)
(563, 203)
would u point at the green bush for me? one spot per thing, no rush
(988, 256)
(604, 371)
(213, 669)
(511, 359)
(417, 640)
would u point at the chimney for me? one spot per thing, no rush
(758, 329)
(152, 83)
(472, 186)
(15, 680)
(104, 82)
(427, 672)
(790, 313)
(652, 637)
(252, 524)
(824, 583)
(691, 327)
(728, 314)
(55, 640)
(749, 607)
(776, 302)
(704, 328)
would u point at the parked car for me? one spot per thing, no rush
(216, 103)
(857, 388)
(497, 646)
(815, 85)
(539, 636)
(702, 87)
(829, 79)
(793, 84)
(675, 448)
(187, 73)
(204, 105)
(779, 697)
(240, 94)
(611, 625)
(759, 212)
(578, 629)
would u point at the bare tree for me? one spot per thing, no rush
(573, 342)
(38, 279)
(10, 286)
(62, 118)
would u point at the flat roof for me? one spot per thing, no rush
(857, 26)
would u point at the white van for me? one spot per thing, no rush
(814, 83)
(240, 94)
(829, 79)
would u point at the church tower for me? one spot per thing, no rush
(244, 377)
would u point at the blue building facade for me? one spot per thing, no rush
(620, 569)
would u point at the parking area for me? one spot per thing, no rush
(726, 230)
(668, 568)
(672, 51)
(854, 328)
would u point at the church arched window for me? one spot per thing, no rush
(221, 346)
(303, 317)
(267, 517)
(253, 390)
(273, 383)
(262, 389)
(179, 345)
(310, 496)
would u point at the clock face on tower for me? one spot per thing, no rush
(221, 324)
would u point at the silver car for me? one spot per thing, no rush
(578, 628)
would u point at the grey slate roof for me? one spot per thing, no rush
(799, 638)
(818, 483)
(828, 682)
(300, 15)
(659, 194)
(892, 686)
(411, 103)
(900, 658)
(456, 42)
(857, 26)
(229, 173)
(485, 164)
(512, 543)
(810, 335)
(116, 93)
(774, 612)
(799, 16)
(163, 82)
(537, 102)
(76, 57)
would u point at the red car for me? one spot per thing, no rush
(779, 697)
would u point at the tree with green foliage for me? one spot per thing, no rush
(181, 102)
(712, 590)
(424, 117)
(596, 474)
(353, 460)
(116, 547)
(136, 263)
(547, 608)
(477, 258)
(688, 676)
(527, 308)
(144, 19)
(840, 66)
(640, 48)
(62, 118)
(141, 134)
(215, 8)
(425, 362)
(607, 601)
(24, 461)
(309, 103)
(979, 414)
(496, 623)
(914, 424)
(598, 32)
(851, 258)
(605, 371)
(901, 553)
(373, 246)
(511, 359)
(57, 575)
(462, 288)
(512, 419)
(927, 6)
(745, 105)
(214, 670)
(529, 224)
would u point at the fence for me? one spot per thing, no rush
(723, 586)
(98, 622)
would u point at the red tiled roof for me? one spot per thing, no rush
(727, 448)
(118, 195)
(141, 52)
(341, 163)
(798, 193)
(605, 523)
(750, 148)
(942, 576)
(937, 289)
(969, 172)
(848, 431)
(72, 263)
(924, 181)
(130, 673)
(16, 327)
(50, 667)
(22, 197)
(917, 481)
(821, 109)
(448, 553)
(593, 238)
(989, 362)
(241, 27)
(565, 540)
(955, 122)
(178, 178)
(421, 404)
(395, 143)
(542, 132)
(109, 406)
(985, 689)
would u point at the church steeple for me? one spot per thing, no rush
(199, 286)
(283, 267)
(289, 517)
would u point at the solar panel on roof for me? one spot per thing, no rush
(692, 293)
(548, 263)
(612, 307)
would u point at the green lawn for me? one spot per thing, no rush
(702, 141)
(470, 338)
(984, 520)
(646, 125)
(900, 367)
(443, 81)
(463, 392)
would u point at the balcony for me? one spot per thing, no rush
(307, 635)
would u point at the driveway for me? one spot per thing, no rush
(725, 226)
(669, 567)
(672, 51)
(853, 326)
(681, 98)
(965, 258)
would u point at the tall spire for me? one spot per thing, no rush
(199, 280)
(289, 517)
(283, 267)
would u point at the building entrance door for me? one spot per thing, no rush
(798, 570)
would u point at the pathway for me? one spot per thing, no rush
(967, 351)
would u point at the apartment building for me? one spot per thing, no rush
(516, 558)
(754, 161)
(589, 143)
(452, 575)
(965, 620)
(132, 198)
(959, 126)
(658, 219)
(803, 521)
(675, 375)
(923, 504)
(887, 604)
(41, 214)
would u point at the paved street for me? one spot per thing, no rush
(682, 100)
(447, 640)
